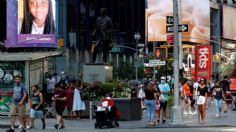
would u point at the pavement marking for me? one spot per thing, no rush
(229, 130)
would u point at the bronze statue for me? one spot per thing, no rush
(103, 34)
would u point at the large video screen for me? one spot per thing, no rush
(229, 22)
(194, 13)
(32, 23)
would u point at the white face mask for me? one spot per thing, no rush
(162, 81)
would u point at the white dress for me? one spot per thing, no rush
(78, 104)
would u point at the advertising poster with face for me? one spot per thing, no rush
(194, 13)
(34, 21)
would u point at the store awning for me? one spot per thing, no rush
(27, 56)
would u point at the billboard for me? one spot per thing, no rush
(194, 13)
(229, 26)
(31, 23)
(203, 62)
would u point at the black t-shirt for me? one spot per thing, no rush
(149, 94)
(225, 84)
(202, 91)
(217, 93)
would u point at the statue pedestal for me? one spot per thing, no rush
(101, 72)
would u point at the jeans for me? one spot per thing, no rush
(150, 110)
(218, 103)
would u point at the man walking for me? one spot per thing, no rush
(164, 89)
(37, 106)
(18, 104)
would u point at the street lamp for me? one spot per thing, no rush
(137, 37)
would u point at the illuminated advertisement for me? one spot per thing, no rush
(229, 26)
(203, 62)
(194, 13)
(31, 23)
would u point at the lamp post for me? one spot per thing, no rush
(137, 37)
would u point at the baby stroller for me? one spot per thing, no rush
(106, 114)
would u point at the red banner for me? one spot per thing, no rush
(203, 61)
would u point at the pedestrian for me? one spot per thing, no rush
(186, 97)
(133, 93)
(201, 101)
(150, 96)
(70, 96)
(60, 99)
(218, 95)
(141, 95)
(78, 103)
(157, 109)
(164, 89)
(18, 104)
(37, 106)
(225, 84)
(51, 82)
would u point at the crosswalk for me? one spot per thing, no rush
(228, 130)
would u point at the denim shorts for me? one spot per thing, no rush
(36, 113)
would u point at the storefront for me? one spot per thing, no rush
(31, 66)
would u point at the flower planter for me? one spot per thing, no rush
(130, 109)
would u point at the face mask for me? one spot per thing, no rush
(162, 81)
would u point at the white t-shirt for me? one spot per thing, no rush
(36, 29)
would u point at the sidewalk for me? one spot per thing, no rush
(227, 120)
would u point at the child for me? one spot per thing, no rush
(157, 110)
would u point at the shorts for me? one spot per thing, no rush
(163, 105)
(36, 113)
(60, 110)
(18, 110)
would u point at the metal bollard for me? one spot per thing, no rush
(90, 110)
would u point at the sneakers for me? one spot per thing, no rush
(10, 130)
(62, 127)
(195, 112)
(217, 115)
(56, 126)
(20, 126)
(191, 113)
(29, 127)
(185, 113)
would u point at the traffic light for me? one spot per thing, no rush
(161, 53)
(60, 43)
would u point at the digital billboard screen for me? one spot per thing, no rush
(229, 26)
(32, 23)
(194, 13)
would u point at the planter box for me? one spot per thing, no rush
(130, 109)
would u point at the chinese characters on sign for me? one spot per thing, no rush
(203, 62)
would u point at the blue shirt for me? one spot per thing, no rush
(164, 88)
(18, 93)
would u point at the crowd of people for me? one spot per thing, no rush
(195, 97)
(30, 104)
(65, 93)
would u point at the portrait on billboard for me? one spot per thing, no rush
(36, 16)
(196, 14)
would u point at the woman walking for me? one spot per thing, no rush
(60, 99)
(78, 103)
(201, 101)
(70, 96)
(218, 95)
(150, 96)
